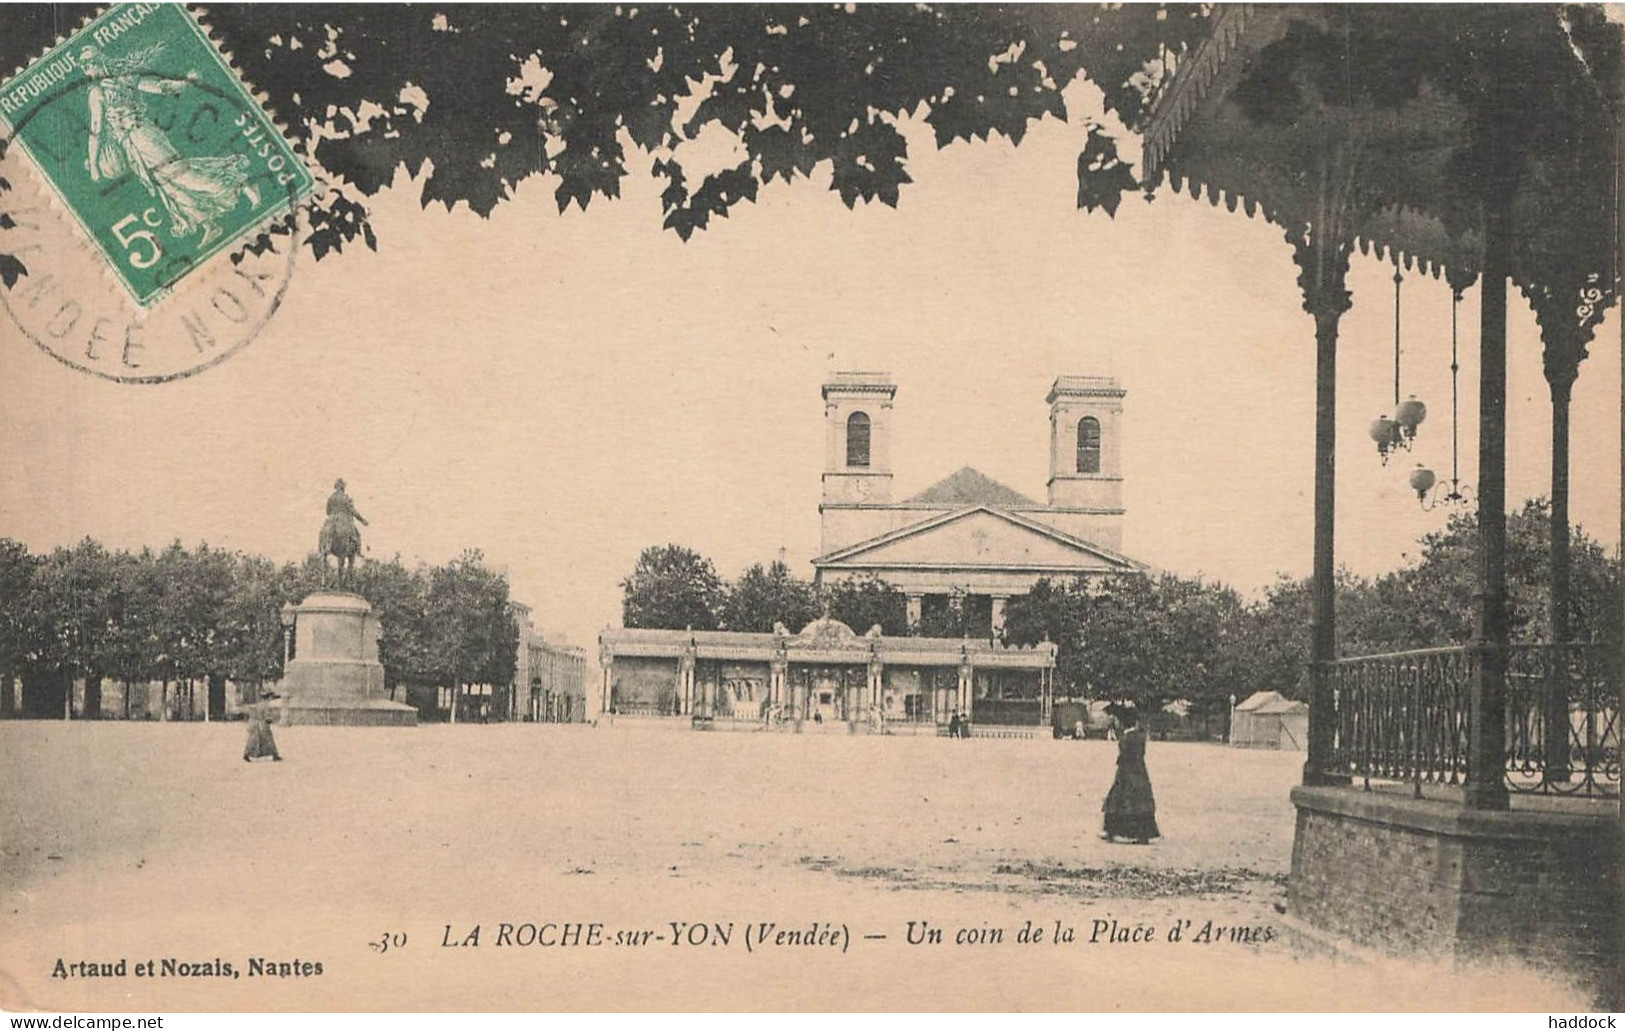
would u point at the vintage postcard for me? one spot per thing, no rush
(810, 508)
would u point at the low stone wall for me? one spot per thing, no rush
(1419, 876)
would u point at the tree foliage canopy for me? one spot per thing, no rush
(1155, 639)
(764, 596)
(673, 588)
(186, 614)
(475, 100)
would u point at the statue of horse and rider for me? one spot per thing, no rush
(340, 537)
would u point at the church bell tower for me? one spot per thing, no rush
(1086, 444)
(857, 438)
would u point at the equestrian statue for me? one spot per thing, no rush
(340, 538)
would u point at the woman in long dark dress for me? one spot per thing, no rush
(260, 743)
(1130, 808)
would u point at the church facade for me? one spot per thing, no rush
(968, 538)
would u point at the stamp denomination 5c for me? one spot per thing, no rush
(152, 143)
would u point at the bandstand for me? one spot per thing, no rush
(1462, 799)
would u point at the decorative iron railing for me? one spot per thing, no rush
(621, 709)
(1404, 717)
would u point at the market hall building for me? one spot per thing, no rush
(827, 674)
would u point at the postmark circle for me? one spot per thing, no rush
(74, 307)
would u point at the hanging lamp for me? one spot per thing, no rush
(1423, 480)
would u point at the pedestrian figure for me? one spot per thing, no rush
(1130, 809)
(260, 743)
(953, 725)
(964, 725)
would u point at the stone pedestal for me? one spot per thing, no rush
(334, 676)
(1407, 876)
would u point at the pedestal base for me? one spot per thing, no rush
(1407, 875)
(328, 712)
(335, 678)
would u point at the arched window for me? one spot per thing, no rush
(857, 440)
(1088, 444)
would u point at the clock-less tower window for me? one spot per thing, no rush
(857, 456)
(1088, 444)
(857, 441)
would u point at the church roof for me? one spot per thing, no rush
(969, 487)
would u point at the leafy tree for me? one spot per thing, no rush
(67, 611)
(400, 597)
(194, 589)
(479, 99)
(16, 581)
(862, 602)
(1433, 600)
(470, 629)
(949, 617)
(129, 650)
(672, 588)
(251, 641)
(1053, 610)
(763, 596)
(1146, 639)
(1273, 639)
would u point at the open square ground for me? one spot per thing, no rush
(743, 856)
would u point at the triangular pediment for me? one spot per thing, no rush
(978, 538)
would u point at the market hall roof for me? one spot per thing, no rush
(823, 641)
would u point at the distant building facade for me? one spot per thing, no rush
(968, 533)
(550, 677)
(825, 674)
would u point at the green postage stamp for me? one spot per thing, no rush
(153, 143)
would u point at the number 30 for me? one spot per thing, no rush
(131, 237)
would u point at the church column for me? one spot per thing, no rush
(998, 611)
(916, 605)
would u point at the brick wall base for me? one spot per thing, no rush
(1416, 876)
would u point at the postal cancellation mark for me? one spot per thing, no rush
(152, 143)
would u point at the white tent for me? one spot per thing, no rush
(1269, 720)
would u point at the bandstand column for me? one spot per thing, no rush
(1618, 280)
(1486, 706)
(965, 689)
(1323, 260)
(1562, 365)
(997, 620)
(1564, 335)
(916, 606)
